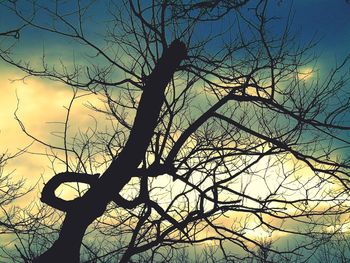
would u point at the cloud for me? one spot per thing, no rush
(42, 105)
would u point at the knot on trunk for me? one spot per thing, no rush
(48, 193)
(166, 66)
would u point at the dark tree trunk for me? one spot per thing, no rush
(92, 205)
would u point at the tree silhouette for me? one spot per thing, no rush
(224, 115)
(9, 191)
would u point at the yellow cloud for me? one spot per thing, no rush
(41, 106)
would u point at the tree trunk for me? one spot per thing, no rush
(93, 204)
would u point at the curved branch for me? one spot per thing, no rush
(48, 193)
(141, 199)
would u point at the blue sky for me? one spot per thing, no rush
(329, 21)
(326, 21)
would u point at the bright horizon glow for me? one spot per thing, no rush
(305, 74)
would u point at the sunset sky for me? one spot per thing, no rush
(41, 103)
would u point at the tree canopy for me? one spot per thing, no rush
(215, 125)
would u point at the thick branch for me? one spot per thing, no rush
(141, 199)
(151, 102)
(48, 193)
(146, 119)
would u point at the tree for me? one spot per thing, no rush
(9, 191)
(226, 113)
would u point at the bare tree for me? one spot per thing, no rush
(224, 118)
(9, 191)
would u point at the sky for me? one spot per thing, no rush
(41, 103)
(326, 21)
